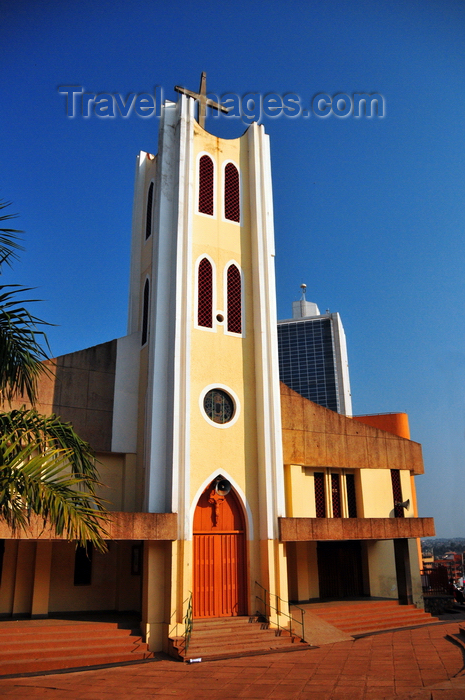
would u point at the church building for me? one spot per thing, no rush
(226, 487)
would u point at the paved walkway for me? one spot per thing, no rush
(420, 664)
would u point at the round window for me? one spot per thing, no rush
(218, 406)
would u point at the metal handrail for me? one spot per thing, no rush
(268, 594)
(188, 622)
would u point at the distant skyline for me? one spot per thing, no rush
(369, 212)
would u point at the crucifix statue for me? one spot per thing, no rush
(202, 99)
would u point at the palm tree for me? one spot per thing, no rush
(46, 469)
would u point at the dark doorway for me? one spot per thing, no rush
(340, 570)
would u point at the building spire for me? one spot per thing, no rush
(304, 308)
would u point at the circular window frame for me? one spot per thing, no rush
(232, 394)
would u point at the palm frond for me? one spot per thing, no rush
(21, 353)
(42, 484)
(28, 427)
(9, 238)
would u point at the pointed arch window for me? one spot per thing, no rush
(145, 313)
(148, 220)
(205, 294)
(232, 203)
(206, 175)
(234, 294)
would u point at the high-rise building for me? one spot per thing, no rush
(313, 356)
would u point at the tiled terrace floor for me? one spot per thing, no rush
(418, 663)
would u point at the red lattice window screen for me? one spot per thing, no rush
(351, 496)
(148, 221)
(397, 493)
(205, 294)
(336, 495)
(234, 300)
(232, 204)
(206, 185)
(319, 479)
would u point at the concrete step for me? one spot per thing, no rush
(16, 646)
(235, 637)
(392, 615)
(37, 651)
(39, 648)
(364, 618)
(22, 630)
(58, 663)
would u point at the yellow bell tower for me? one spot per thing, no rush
(203, 293)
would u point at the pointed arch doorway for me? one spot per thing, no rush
(219, 556)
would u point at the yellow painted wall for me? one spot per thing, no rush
(300, 491)
(303, 571)
(377, 500)
(382, 568)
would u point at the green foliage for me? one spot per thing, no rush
(9, 239)
(20, 351)
(43, 485)
(48, 433)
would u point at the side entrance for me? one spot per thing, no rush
(340, 569)
(219, 556)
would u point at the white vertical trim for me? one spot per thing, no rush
(271, 471)
(181, 411)
(342, 366)
(136, 243)
(160, 384)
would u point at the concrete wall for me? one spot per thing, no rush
(315, 436)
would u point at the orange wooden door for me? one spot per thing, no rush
(219, 557)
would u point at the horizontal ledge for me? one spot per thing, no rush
(315, 529)
(120, 526)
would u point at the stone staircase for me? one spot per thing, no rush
(358, 618)
(40, 646)
(232, 637)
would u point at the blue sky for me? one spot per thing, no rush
(369, 213)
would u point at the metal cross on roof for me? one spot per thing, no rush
(202, 99)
